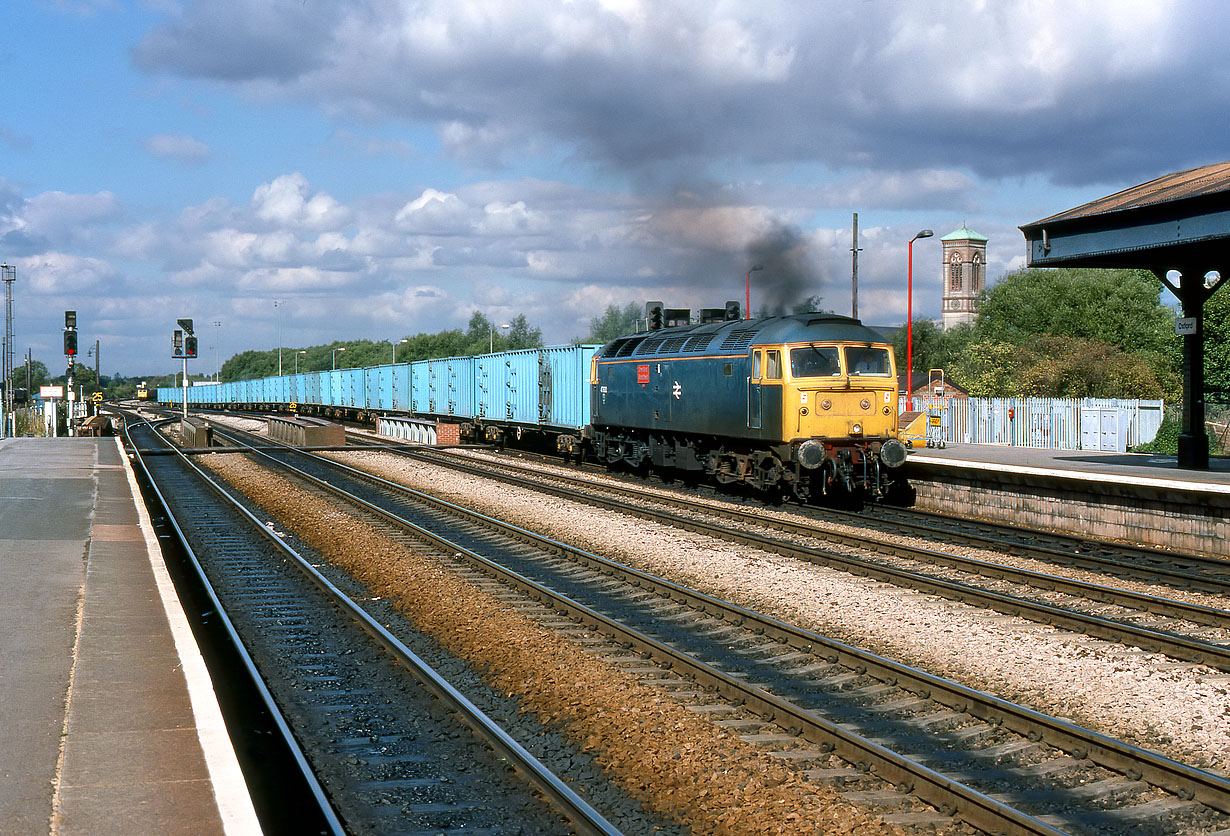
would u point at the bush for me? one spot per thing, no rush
(1166, 442)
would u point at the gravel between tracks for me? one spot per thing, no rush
(680, 765)
(1180, 710)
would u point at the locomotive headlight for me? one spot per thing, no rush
(888, 410)
(826, 404)
(856, 429)
(865, 404)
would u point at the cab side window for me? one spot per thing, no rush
(773, 365)
(757, 358)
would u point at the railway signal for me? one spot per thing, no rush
(654, 314)
(70, 333)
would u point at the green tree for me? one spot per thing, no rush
(1120, 307)
(614, 322)
(1061, 333)
(933, 348)
(989, 369)
(1217, 346)
(426, 346)
(1067, 367)
(38, 376)
(521, 335)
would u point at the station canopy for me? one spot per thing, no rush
(1179, 222)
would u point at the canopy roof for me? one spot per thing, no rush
(1179, 221)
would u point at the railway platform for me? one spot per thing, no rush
(108, 721)
(1133, 497)
(1088, 465)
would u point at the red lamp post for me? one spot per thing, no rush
(747, 311)
(909, 316)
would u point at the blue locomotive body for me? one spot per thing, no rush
(804, 403)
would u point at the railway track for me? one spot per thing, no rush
(377, 755)
(1194, 572)
(987, 761)
(1188, 572)
(1186, 631)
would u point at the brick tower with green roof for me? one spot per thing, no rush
(964, 275)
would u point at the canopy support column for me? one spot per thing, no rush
(1192, 291)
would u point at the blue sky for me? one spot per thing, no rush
(382, 168)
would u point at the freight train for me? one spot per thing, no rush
(802, 405)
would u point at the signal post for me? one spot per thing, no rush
(184, 347)
(70, 357)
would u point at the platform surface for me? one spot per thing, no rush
(1091, 465)
(107, 719)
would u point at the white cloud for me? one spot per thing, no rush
(434, 212)
(288, 200)
(176, 146)
(60, 213)
(63, 273)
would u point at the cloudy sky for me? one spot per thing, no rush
(302, 171)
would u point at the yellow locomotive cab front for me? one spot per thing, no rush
(839, 391)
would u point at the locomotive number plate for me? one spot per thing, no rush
(642, 374)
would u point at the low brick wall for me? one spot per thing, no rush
(448, 433)
(1186, 520)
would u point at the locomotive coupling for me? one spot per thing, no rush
(892, 453)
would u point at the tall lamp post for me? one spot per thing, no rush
(909, 316)
(8, 413)
(297, 353)
(396, 344)
(491, 336)
(276, 304)
(335, 351)
(747, 312)
(217, 365)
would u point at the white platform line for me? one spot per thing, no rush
(230, 790)
(1078, 475)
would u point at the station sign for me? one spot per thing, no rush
(51, 391)
(1186, 325)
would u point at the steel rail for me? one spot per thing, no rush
(1151, 603)
(303, 774)
(1178, 578)
(1175, 646)
(587, 820)
(1182, 780)
(1172, 576)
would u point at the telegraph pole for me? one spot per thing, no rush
(854, 251)
(9, 274)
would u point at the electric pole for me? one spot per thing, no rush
(854, 251)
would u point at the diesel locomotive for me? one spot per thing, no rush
(804, 404)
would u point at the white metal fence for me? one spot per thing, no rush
(1055, 423)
